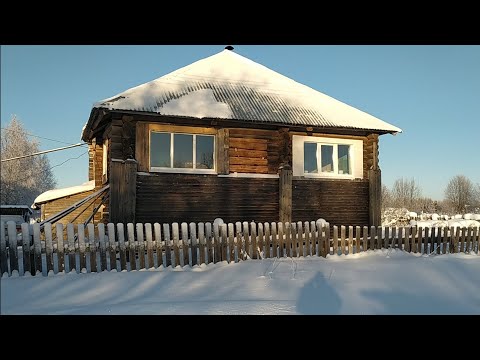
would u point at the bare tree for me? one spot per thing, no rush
(460, 193)
(22, 180)
(406, 193)
(386, 198)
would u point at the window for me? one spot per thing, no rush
(180, 152)
(327, 157)
(105, 161)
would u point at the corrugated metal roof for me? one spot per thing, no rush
(230, 86)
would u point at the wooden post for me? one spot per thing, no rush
(12, 245)
(335, 240)
(407, 239)
(48, 246)
(386, 242)
(141, 246)
(122, 246)
(149, 237)
(81, 246)
(72, 257)
(373, 233)
(37, 248)
(111, 246)
(379, 237)
(343, 249)
(92, 247)
(365, 238)
(102, 245)
(350, 240)
(132, 251)
(357, 239)
(3, 250)
(168, 252)
(123, 191)
(158, 244)
(285, 193)
(60, 247)
(201, 242)
(375, 196)
(26, 248)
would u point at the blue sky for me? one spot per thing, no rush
(431, 92)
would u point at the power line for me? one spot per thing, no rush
(44, 152)
(40, 137)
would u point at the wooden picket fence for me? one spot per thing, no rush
(139, 246)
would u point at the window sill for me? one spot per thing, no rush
(183, 171)
(328, 177)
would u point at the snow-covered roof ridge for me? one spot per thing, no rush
(227, 85)
(59, 193)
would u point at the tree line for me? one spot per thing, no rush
(461, 196)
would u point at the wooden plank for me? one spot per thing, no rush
(294, 239)
(102, 246)
(231, 243)
(350, 239)
(216, 243)
(72, 261)
(288, 239)
(260, 241)
(37, 248)
(248, 161)
(445, 239)
(239, 244)
(434, 236)
(253, 238)
(462, 239)
(419, 239)
(149, 263)
(281, 252)
(92, 248)
(285, 194)
(300, 239)
(111, 246)
(3, 250)
(132, 246)
(268, 242)
(26, 248)
(476, 241)
(249, 169)
(185, 244)
(379, 237)
(468, 241)
(168, 245)
(365, 238)
(413, 247)
(246, 240)
(12, 246)
(426, 240)
(60, 247)
(439, 240)
(399, 238)
(176, 245)
(455, 235)
(308, 243)
(224, 240)
(158, 244)
(335, 240)
(140, 246)
(327, 237)
(82, 247)
(235, 152)
(275, 251)
(407, 239)
(357, 239)
(183, 129)
(122, 246)
(193, 243)
(47, 228)
(343, 249)
(320, 242)
(373, 234)
(208, 239)
(386, 242)
(393, 233)
(201, 243)
(314, 237)
(248, 144)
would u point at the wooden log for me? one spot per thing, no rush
(111, 246)
(293, 239)
(12, 246)
(26, 239)
(47, 228)
(373, 234)
(335, 240)
(60, 247)
(281, 252)
(239, 244)
(308, 244)
(365, 238)
(141, 246)
(208, 236)
(157, 230)
(3, 250)
(201, 243)
(185, 244)
(246, 240)
(268, 241)
(343, 248)
(350, 240)
(216, 243)
(275, 251)
(288, 238)
(37, 248)
(132, 247)
(92, 248)
(231, 243)
(224, 241)
(176, 243)
(72, 258)
(82, 247)
(122, 246)
(193, 243)
(149, 263)
(168, 245)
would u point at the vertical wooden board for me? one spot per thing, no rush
(476, 239)
(193, 243)
(323, 239)
(238, 241)
(141, 246)
(427, 240)
(439, 240)
(176, 246)
(343, 249)
(92, 248)
(365, 238)
(132, 248)
(413, 246)
(350, 239)
(407, 239)
(253, 234)
(216, 243)
(288, 238)
(158, 244)
(463, 235)
(168, 245)
(72, 261)
(373, 234)
(208, 239)
(419, 237)
(308, 243)
(335, 240)
(274, 240)
(149, 263)
(379, 237)
(12, 246)
(268, 241)
(445, 239)
(37, 248)
(122, 246)
(386, 242)
(185, 246)
(260, 241)
(224, 240)
(60, 247)
(301, 239)
(357, 239)
(112, 249)
(294, 239)
(3, 250)
(314, 237)
(468, 242)
(82, 247)
(393, 238)
(102, 246)
(201, 243)
(280, 240)
(26, 248)
(231, 243)
(246, 240)
(48, 246)
(400, 235)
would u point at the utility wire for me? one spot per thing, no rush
(44, 152)
(40, 137)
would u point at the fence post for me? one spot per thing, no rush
(3, 250)
(123, 191)
(285, 193)
(374, 191)
(12, 245)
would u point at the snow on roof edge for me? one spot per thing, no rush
(62, 192)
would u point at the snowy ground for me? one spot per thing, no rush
(373, 282)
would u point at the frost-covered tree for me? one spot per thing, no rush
(460, 192)
(22, 180)
(406, 193)
(386, 197)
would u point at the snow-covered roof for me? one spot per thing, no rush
(229, 86)
(59, 193)
(25, 207)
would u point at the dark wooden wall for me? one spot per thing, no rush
(340, 202)
(167, 198)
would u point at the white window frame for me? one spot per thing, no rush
(355, 154)
(172, 169)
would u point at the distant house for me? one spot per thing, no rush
(17, 213)
(227, 137)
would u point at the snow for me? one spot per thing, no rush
(16, 207)
(59, 193)
(372, 282)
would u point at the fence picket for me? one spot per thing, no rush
(288, 238)
(293, 239)
(246, 240)
(26, 239)
(176, 241)
(60, 247)
(260, 241)
(308, 244)
(224, 240)
(253, 235)
(92, 248)
(357, 239)
(231, 243)
(268, 241)
(419, 239)
(386, 242)
(445, 239)
(216, 243)
(301, 240)
(37, 248)
(185, 244)
(350, 240)
(343, 248)
(439, 239)
(365, 238)
(468, 241)
(149, 263)
(12, 246)
(401, 236)
(274, 240)
(140, 246)
(393, 237)
(373, 233)
(158, 244)
(132, 247)
(102, 246)
(48, 246)
(407, 239)
(3, 250)
(281, 240)
(168, 245)
(72, 257)
(111, 246)
(325, 230)
(82, 247)
(314, 237)
(380, 239)
(208, 239)
(201, 243)
(335, 240)
(426, 240)
(476, 241)
(122, 246)
(193, 243)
